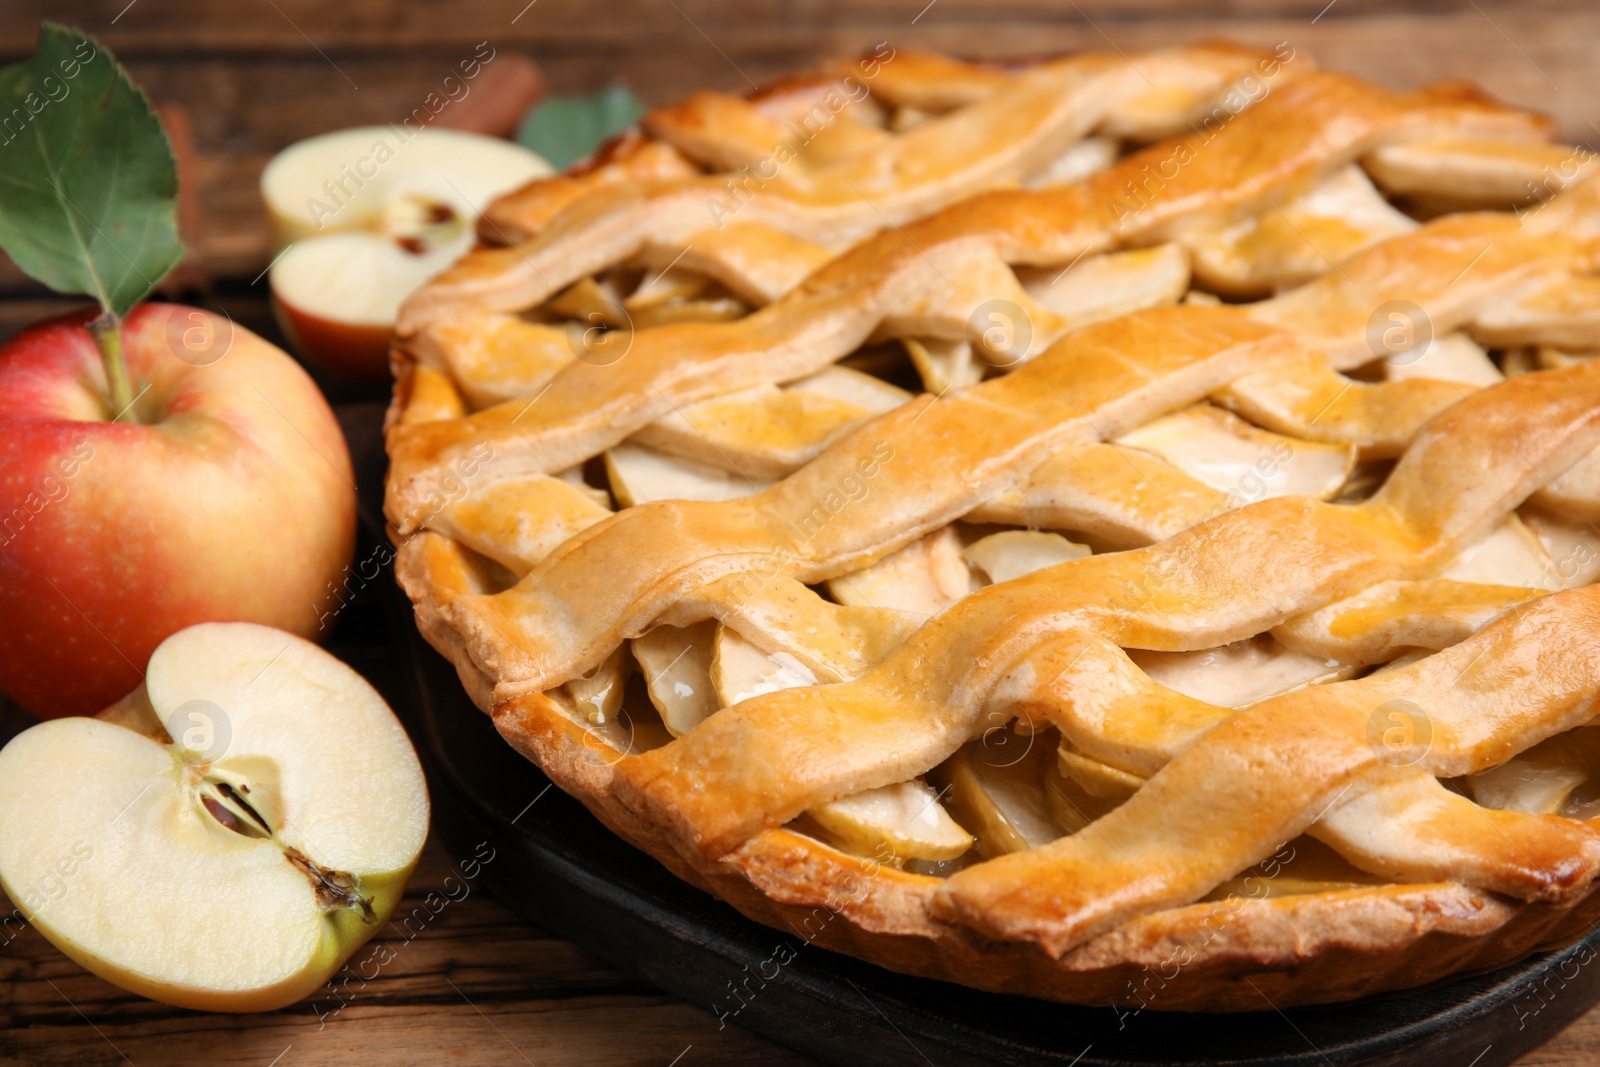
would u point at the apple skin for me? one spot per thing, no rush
(355, 230)
(229, 497)
(358, 351)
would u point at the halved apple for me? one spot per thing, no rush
(373, 213)
(226, 836)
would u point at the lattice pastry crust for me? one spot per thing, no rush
(1117, 529)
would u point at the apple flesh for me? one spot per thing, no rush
(224, 494)
(337, 298)
(239, 858)
(373, 213)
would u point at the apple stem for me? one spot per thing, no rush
(107, 333)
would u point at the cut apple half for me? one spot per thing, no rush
(377, 178)
(338, 296)
(372, 213)
(235, 860)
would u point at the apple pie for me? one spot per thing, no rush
(1115, 528)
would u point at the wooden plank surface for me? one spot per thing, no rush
(479, 985)
(257, 76)
(476, 985)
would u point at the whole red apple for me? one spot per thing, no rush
(224, 493)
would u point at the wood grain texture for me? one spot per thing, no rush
(476, 985)
(256, 77)
(479, 985)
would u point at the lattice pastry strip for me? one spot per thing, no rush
(1014, 129)
(1017, 131)
(1107, 706)
(1071, 391)
(700, 783)
(1301, 751)
(1452, 487)
(547, 265)
(923, 82)
(843, 304)
(806, 579)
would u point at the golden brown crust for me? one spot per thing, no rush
(1117, 912)
(629, 156)
(1223, 956)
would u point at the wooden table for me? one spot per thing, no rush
(478, 985)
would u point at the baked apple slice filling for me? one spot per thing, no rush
(1009, 804)
(1109, 627)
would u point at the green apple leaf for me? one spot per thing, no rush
(88, 181)
(564, 129)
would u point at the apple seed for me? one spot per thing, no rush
(227, 818)
(227, 790)
(334, 889)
